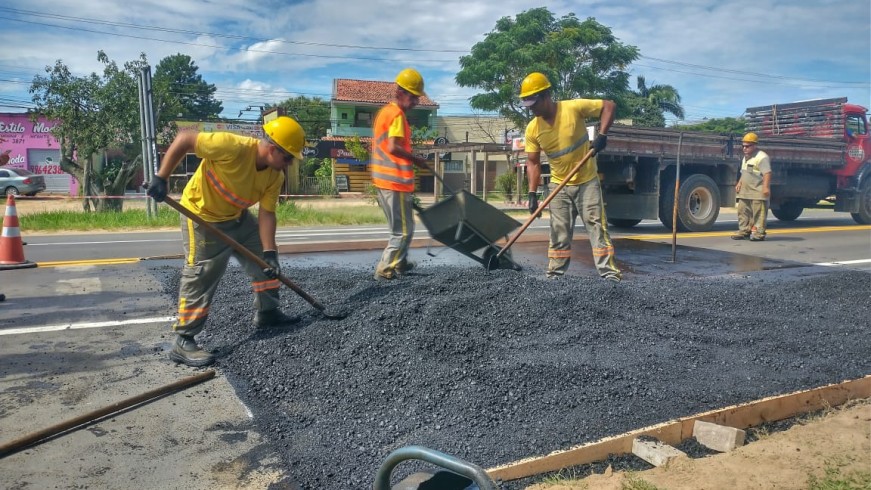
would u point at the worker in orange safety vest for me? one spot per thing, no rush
(392, 166)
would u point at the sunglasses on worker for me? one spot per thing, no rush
(531, 100)
(285, 156)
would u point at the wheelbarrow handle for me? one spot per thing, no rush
(438, 177)
(547, 200)
(241, 249)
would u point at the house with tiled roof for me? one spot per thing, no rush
(471, 163)
(355, 103)
(353, 106)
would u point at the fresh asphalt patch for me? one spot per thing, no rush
(496, 367)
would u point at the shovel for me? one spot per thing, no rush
(493, 263)
(251, 256)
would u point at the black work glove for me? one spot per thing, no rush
(533, 202)
(600, 142)
(157, 189)
(271, 258)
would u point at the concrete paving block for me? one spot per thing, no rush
(718, 437)
(655, 452)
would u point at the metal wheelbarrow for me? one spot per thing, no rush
(470, 226)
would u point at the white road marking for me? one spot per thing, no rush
(77, 326)
(844, 262)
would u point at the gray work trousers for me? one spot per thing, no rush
(752, 213)
(397, 207)
(584, 200)
(206, 259)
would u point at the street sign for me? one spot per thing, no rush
(309, 152)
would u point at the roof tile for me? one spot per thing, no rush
(375, 92)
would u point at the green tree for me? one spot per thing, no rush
(95, 113)
(182, 91)
(581, 59)
(648, 105)
(313, 114)
(726, 125)
(357, 148)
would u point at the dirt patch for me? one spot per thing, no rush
(837, 441)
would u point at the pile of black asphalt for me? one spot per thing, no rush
(496, 367)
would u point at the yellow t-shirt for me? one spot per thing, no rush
(227, 180)
(566, 142)
(397, 127)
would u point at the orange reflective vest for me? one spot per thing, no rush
(390, 171)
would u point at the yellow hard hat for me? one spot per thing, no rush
(750, 138)
(286, 133)
(533, 84)
(411, 80)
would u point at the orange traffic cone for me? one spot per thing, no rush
(11, 246)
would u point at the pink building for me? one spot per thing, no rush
(33, 147)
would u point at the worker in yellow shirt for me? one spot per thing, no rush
(236, 173)
(559, 129)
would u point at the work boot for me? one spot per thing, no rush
(757, 237)
(186, 351)
(740, 235)
(384, 274)
(405, 266)
(273, 318)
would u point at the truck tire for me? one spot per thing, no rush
(788, 211)
(698, 204)
(623, 223)
(863, 217)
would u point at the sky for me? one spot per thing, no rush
(721, 55)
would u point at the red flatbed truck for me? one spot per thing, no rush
(820, 151)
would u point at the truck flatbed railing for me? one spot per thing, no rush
(702, 147)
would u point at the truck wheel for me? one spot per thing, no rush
(788, 211)
(863, 217)
(623, 223)
(698, 204)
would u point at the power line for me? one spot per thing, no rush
(750, 73)
(225, 48)
(222, 35)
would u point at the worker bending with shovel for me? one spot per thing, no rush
(559, 129)
(236, 173)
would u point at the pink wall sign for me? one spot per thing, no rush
(32, 146)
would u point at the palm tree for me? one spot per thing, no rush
(649, 104)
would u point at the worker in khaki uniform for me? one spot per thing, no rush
(236, 173)
(392, 165)
(753, 190)
(559, 129)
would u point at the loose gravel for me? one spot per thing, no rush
(496, 367)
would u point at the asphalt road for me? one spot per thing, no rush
(819, 236)
(79, 336)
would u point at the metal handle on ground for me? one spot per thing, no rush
(247, 253)
(553, 193)
(29, 440)
(468, 470)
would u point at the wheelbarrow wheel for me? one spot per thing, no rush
(493, 261)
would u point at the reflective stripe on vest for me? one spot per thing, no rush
(225, 193)
(574, 146)
(390, 171)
